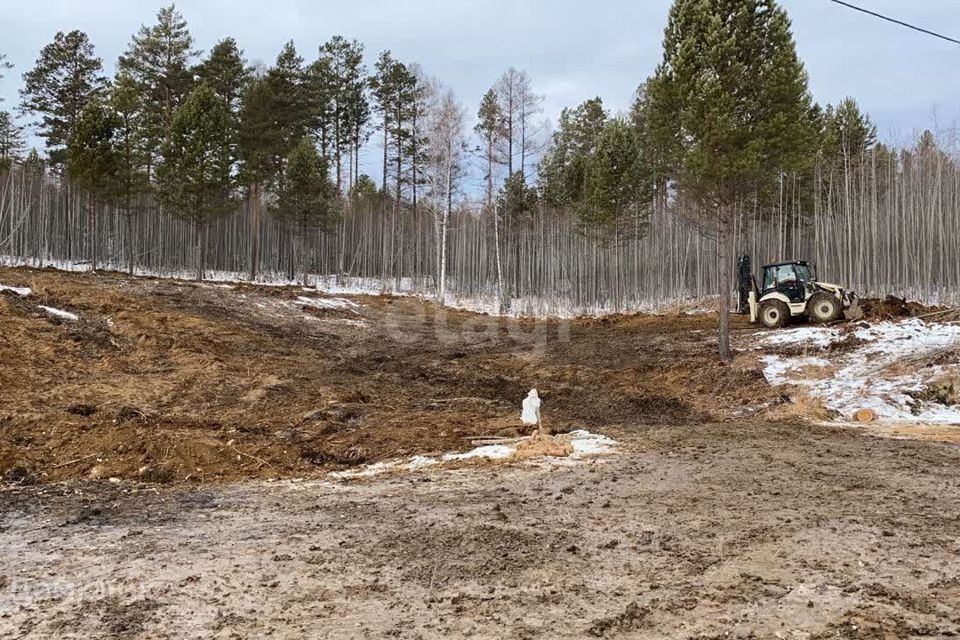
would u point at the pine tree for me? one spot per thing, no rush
(307, 198)
(318, 87)
(66, 77)
(365, 196)
(349, 108)
(516, 200)
(563, 168)
(392, 87)
(132, 180)
(226, 72)
(847, 131)
(194, 173)
(734, 87)
(92, 163)
(614, 182)
(489, 128)
(655, 137)
(290, 103)
(259, 140)
(422, 92)
(11, 141)
(158, 60)
(5, 65)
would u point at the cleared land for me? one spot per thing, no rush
(719, 516)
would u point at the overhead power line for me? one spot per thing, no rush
(895, 21)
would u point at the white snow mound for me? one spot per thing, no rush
(880, 374)
(23, 292)
(59, 313)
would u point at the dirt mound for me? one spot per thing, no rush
(892, 308)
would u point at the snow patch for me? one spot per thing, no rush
(584, 444)
(880, 374)
(59, 313)
(778, 370)
(327, 303)
(23, 292)
(819, 337)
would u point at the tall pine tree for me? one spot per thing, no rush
(736, 92)
(158, 60)
(349, 109)
(194, 181)
(291, 107)
(563, 168)
(92, 163)
(226, 72)
(306, 201)
(259, 138)
(66, 77)
(11, 141)
(132, 180)
(5, 65)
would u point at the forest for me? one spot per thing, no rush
(201, 162)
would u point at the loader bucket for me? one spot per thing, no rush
(853, 311)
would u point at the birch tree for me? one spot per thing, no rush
(446, 141)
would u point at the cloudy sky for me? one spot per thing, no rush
(573, 50)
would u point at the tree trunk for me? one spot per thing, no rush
(443, 241)
(724, 278)
(304, 266)
(198, 250)
(496, 249)
(254, 230)
(130, 243)
(92, 234)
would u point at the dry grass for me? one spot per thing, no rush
(815, 372)
(539, 446)
(800, 405)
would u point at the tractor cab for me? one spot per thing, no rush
(792, 279)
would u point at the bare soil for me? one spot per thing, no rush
(734, 530)
(218, 412)
(170, 381)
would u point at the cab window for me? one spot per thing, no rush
(782, 276)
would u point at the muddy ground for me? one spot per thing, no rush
(708, 531)
(166, 459)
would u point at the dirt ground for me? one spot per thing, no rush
(170, 381)
(751, 530)
(166, 461)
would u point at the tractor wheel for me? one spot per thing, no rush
(774, 314)
(824, 307)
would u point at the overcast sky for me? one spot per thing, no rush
(573, 50)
